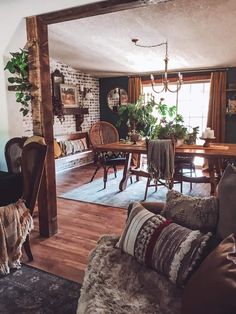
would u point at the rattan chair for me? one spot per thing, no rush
(103, 132)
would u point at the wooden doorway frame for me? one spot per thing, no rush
(39, 74)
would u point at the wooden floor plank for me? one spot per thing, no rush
(80, 226)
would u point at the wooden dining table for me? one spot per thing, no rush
(214, 154)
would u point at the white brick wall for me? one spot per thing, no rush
(75, 77)
(72, 77)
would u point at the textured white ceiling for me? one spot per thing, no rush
(200, 34)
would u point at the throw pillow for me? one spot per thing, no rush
(57, 149)
(77, 146)
(171, 249)
(212, 288)
(66, 147)
(192, 212)
(84, 142)
(227, 202)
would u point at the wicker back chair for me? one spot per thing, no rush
(103, 132)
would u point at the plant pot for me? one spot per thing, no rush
(179, 142)
(135, 137)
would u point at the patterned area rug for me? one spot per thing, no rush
(32, 291)
(111, 196)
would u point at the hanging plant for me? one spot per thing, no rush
(18, 65)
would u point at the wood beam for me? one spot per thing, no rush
(92, 9)
(39, 76)
(37, 35)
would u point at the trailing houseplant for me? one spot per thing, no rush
(18, 66)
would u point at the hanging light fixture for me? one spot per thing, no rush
(165, 81)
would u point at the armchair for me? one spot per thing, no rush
(16, 218)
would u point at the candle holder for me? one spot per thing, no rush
(207, 141)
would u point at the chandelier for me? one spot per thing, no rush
(165, 81)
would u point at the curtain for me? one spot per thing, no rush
(217, 105)
(134, 89)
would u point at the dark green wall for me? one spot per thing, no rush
(230, 123)
(107, 84)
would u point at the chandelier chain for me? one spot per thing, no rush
(165, 81)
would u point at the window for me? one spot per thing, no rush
(191, 101)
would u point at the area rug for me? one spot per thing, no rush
(30, 290)
(93, 192)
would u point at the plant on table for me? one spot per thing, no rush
(171, 124)
(138, 117)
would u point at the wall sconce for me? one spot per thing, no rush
(86, 92)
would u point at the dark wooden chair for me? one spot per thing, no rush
(11, 183)
(185, 167)
(103, 132)
(13, 151)
(32, 164)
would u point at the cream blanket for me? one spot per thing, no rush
(15, 223)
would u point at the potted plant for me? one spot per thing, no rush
(191, 136)
(171, 123)
(18, 66)
(138, 118)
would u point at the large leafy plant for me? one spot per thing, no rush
(18, 66)
(138, 117)
(171, 123)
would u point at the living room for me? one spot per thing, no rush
(105, 114)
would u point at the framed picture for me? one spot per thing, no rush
(69, 95)
(232, 105)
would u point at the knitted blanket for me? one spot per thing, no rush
(160, 159)
(15, 223)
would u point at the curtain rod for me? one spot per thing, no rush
(202, 70)
(209, 70)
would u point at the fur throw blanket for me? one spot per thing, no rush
(115, 282)
(15, 223)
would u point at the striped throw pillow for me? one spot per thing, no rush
(161, 244)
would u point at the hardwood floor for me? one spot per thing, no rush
(80, 226)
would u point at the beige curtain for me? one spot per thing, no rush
(134, 89)
(217, 105)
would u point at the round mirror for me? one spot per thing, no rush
(116, 98)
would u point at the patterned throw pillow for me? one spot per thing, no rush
(200, 213)
(69, 147)
(77, 146)
(84, 142)
(171, 249)
(66, 148)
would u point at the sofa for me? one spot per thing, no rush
(174, 257)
